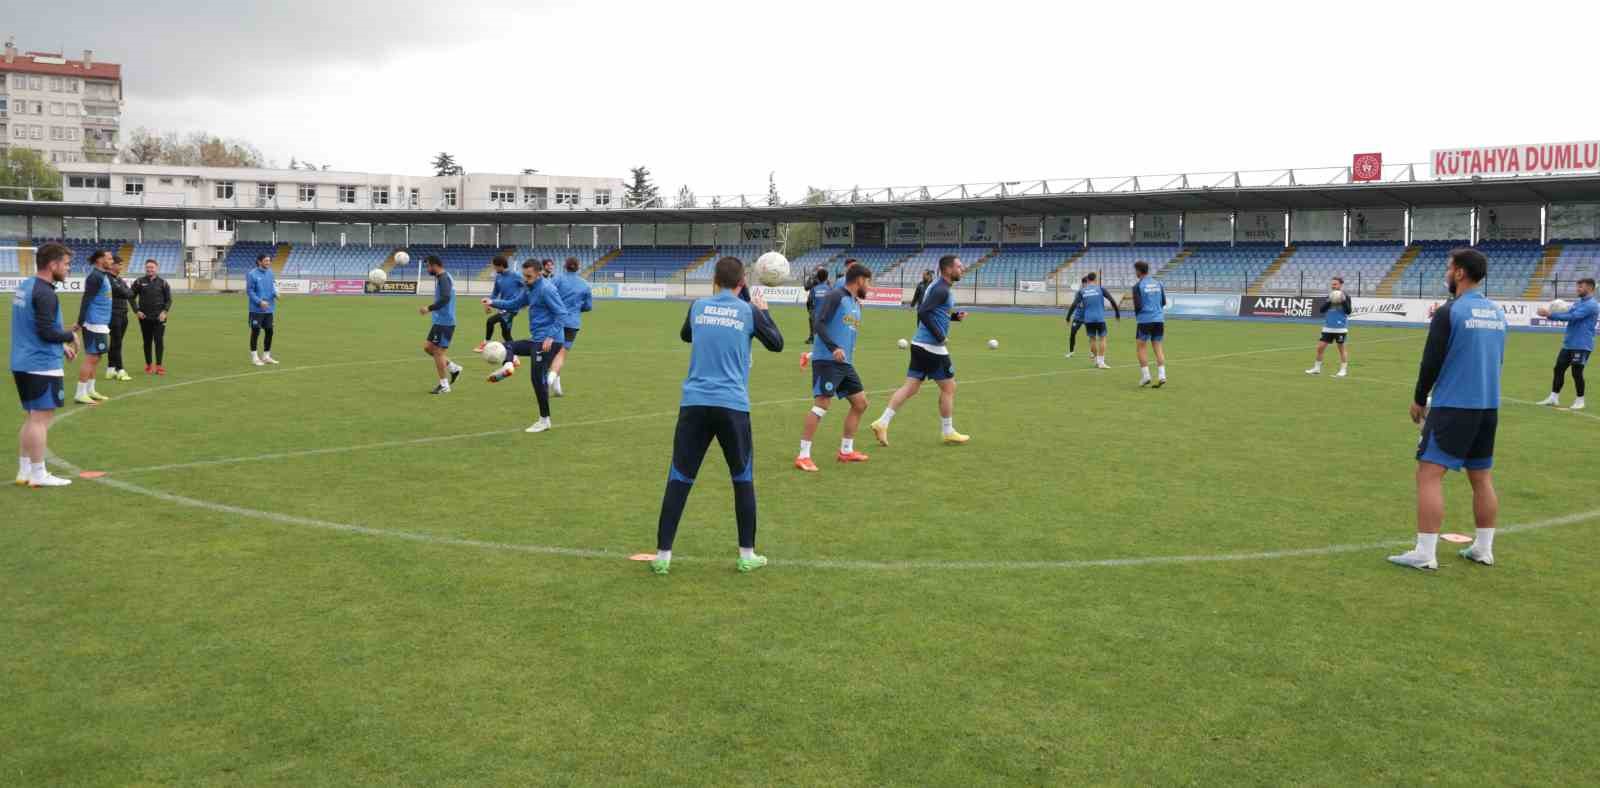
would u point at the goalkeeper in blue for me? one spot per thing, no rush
(1577, 345)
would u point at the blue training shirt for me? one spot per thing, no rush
(1150, 300)
(95, 308)
(258, 287)
(443, 308)
(546, 312)
(576, 296)
(1336, 319)
(719, 329)
(506, 286)
(37, 335)
(837, 323)
(933, 317)
(1093, 300)
(1462, 359)
(1580, 320)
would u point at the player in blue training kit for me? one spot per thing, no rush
(578, 298)
(507, 284)
(1335, 328)
(1089, 310)
(930, 355)
(39, 344)
(261, 293)
(833, 373)
(442, 316)
(546, 315)
(1577, 345)
(716, 404)
(94, 319)
(1149, 307)
(1461, 369)
(816, 290)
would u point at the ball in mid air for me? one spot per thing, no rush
(377, 276)
(902, 344)
(1336, 297)
(994, 344)
(401, 258)
(771, 269)
(494, 353)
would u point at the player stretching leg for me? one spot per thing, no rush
(443, 311)
(716, 404)
(39, 345)
(578, 298)
(930, 358)
(506, 287)
(94, 319)
(1335, 329)
(546, 313)
(1090, 306)
(1149, 307)
(1577, 345)
(261, 292)
(1461, 367)
(833, 373)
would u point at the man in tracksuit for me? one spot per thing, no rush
(261, 292)
(152, 300)
(815, 292)
(1457, 402)
(507, 285)
(120, 295)
(546, 323)
(94, 319)
(1577, 345)
(39, 343)
(1335, 329)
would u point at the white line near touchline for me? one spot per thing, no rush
(424, 441)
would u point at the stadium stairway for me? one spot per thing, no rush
(487, 271)
(280, 258)
(604, 261)
(710, 255)
(1547, 263)
(1070, 261)
(1398, 272)
(388, 262)
(25, 262)
(1275, 267)
(988, 255)
(1177, 259)
(125, 251)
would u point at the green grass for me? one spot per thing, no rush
(151, 641)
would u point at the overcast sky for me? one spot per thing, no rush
(716, 94)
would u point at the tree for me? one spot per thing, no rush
(641, 193)
(686, 198)
(144, 147)
(772, 190)
(802, 237)
(294, 164)
(197, 149)
(530, 171)
(445, 164)
(22, 169)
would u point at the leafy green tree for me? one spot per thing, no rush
(22, 169)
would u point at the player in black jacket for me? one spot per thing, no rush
(120, 294)
(152, 300)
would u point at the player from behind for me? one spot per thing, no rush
(39, 347)
(442, 315)
(1090, 310)
(506, 286)
(930, 355)
(817, 291)
(716, 404)
(261, 292)
(1335, 329)
(833, 373)
(578, 298)
(1577, 345)
(1461, 369)
(1149, 306)
(546, 316)
(94, 320)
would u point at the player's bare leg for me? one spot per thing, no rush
(1485, 512)
(947, 413)
(1143, 353)
(1344, 361)
(852, 423)
(907, 390)
(1430, 515)
(1316, 368)
(819, 408)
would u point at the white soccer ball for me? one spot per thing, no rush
(771, 269)
(1558, 305)
(401, 258)
(494, 353)
(377, 276)
(994, 344)
(1336, 297)
(902, 344)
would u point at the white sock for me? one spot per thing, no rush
(445, 382)
(1483, 540)
(24, 467)
(545, 420)
(805, 449)
(1428, 544)
(508, 367)
(39, 472)
(1317, 366)
(82, 389)
(1344, 366)
(454, 367)
(747, 552)
(1162, 371)
(888, 415)
(847, 445)
(663, 555)
(1144, 373)
(255, 356)
(948, 425)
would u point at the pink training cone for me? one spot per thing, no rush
(642, 557)
(1457, 538)
(91, 474)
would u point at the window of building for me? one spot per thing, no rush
(2, 106)
(224, 190)
(566, 196)
(164, 181)
(602, 196)
(72, 134)
(416, 198)
(73, 110)
(308, 192)
(56, 109)
(380, 195)
(73, 84)
(266, 192)
(55, 84)
(132, 186)
(530, 196)
(450, 197)
(88, 181)
(36, 132)
(347, 195)
(21, 132)
(37, 108)
(502, 194)
(225, 225)
(57, 133)
(36, 83)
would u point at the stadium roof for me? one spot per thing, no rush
(1392, 194)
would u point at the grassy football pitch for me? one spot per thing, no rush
(318, 573)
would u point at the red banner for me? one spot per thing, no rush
(1367, 167)
(885, 296)
(339, 286)
(1517, 159)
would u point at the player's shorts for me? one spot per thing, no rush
(1459, 438)
(440, 336)
(40, 392)
(569, 336)
(1332, 338)
(504, 317)
(95, 343)
(1151, 332)
(930, 366)
(834, 379)
(697, 425)
(1095, 329)
(1575, 358)
(261, 320)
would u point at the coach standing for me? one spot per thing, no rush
(152, 300)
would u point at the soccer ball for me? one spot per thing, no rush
(902, 344)
(771, 269)
(994, 344)
(377, 276)
(1336, 297)
(1558, 305)
(401, 258)
(494, 353)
